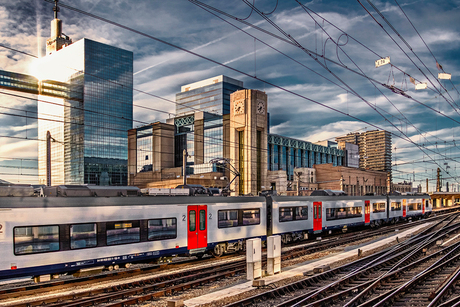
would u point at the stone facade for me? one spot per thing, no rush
(248, 141)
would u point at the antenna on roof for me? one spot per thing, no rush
(56, 9)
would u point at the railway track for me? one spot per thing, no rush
(388, 278)
(144, 289)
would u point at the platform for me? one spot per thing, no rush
(298, 270)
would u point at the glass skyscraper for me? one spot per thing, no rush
(89, 135)
(211, 95)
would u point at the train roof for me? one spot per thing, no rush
(62, 202)
(344, 197)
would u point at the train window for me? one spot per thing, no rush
(414, 206)
(202, 220)
(343, 213)
(286, 214)
(301, 213)
(396, 206)
(427, 204)
(319, 211)
(251, 217)
(83, 235)
(123, 232)
(330, 214)
(378, 207)
(354, 212)
(162, 229)
(192, 220)
(227, 218)
(36, 239)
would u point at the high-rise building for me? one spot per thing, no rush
(211, 95)
(374, 149)
(89, 135)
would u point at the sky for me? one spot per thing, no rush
(314, 59)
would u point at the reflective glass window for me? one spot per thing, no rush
(35, 239)
(192, 220)
(251, 217)
(286, 214)
(301, 213)
(202, 220)
(83, 235)
(396, 206)
(227, 218)
(162, 229)
(123, 232)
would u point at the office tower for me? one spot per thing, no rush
(374, 149)
(88, 136)
(211, 95)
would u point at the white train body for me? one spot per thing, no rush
(47, 235)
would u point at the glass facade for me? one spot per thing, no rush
(213, 98)
(144, 149)
(91, 141)
(287, 154)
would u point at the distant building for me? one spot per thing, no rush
(374, 149)
(240, 133)
(354, 182)
(88, 135)
(403, 187)
(211, 95)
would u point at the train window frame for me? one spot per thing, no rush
(70, 235)
(108, 227)
(379, 208)
(38, 252)
(345, 210)
(284, 218)
(396, 208)
(190, 220)
(220, 221)
(202, 216)
(418, 205)
(303, 217)
(250, 224)
(161, 238)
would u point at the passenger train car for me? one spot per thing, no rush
(50, 235)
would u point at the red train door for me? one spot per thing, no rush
(197, 227)
(404, 207)
(423, 206)
(367, 211)
(317, 216)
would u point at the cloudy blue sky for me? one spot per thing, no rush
(315, 59)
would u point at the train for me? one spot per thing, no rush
(110, 228)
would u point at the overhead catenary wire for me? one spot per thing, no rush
(410, 48)
(413, 26)
(354, 39)
(303, 49)
(274, 35)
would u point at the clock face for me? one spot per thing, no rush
(239, 107)
(260, 107)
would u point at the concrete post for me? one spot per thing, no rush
(273, 255)
(254, 258)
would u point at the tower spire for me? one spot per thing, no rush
(56, 9)
(57, 39)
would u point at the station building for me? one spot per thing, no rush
(206, 132)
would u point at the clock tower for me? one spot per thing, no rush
(248, 140)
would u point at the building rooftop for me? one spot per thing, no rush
(210, 81)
